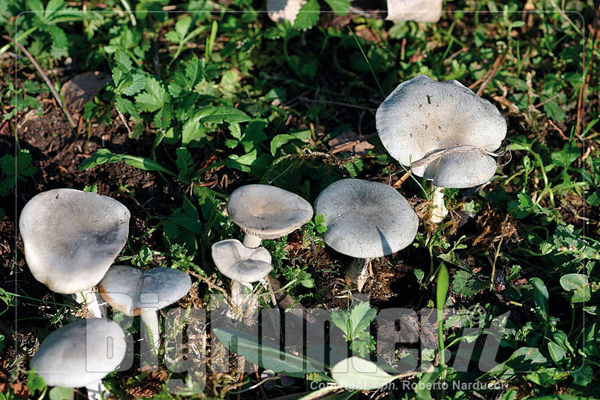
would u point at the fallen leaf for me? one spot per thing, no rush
(82, 88)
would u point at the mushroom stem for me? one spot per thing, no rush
(358, 272)
(439, 208)
(90, 299)
(252, 241)
(241, 294)
(151, 333)
(97, 391)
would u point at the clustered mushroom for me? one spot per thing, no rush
(71, 239)
(442, 130)
(263, 212)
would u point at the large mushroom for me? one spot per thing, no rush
(444, 132)
(71, 238)
(243, 266)
(365, 220)
(143, 292)
(81, 354)
(267, 212)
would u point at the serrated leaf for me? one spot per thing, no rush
(153, 98)
(341, 320)
(138, 82)
(356, 373)
(339, 7)
(162, 119)
(467, 284)
(308, 15)
(60, 43)
(126, 106)
(185, 163)
(361, 317)
(104, 156)
(123, 59)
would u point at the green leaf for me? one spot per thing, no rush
(341, 319)
(268, 356)
(192, 130)
(579, 285)
(308, 15)
(103, 156)
(356, 373)
(540, 295)
(61, 393)
(60, 43)
(567, 155)
(183, 26)
(583, 376)
(557, 353)
(339, 7)
(220, 114)
(466, 284)
(361, 317)
(153, 98)
(242, 163)
(185, 163)
(280, 140)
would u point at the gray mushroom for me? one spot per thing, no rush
(243, 266)
(365, 220)
(80, 354)
(267, 212)
(71, 238)
(143, 292)
(443, 131)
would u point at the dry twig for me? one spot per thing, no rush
(45, 78)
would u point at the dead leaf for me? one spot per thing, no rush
(361, 146)
(82, 88)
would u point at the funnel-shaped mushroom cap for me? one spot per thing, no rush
(366, 219)
(422, 116)
(80, 353)
(461, 169)
(240, 263)
(268, 211)
(132, 290)
(72, 237)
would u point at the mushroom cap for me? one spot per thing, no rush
(131, 290)
(422, 115)
(80, 353)
(71, 237)
(240, 263)
(366, 219)
(268, 211)
(461, 169)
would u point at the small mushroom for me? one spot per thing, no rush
(80, 354)
(71, 238)
(143, 292)
(365, 220)
(267, 212)
(243, 266)
(443, 131)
